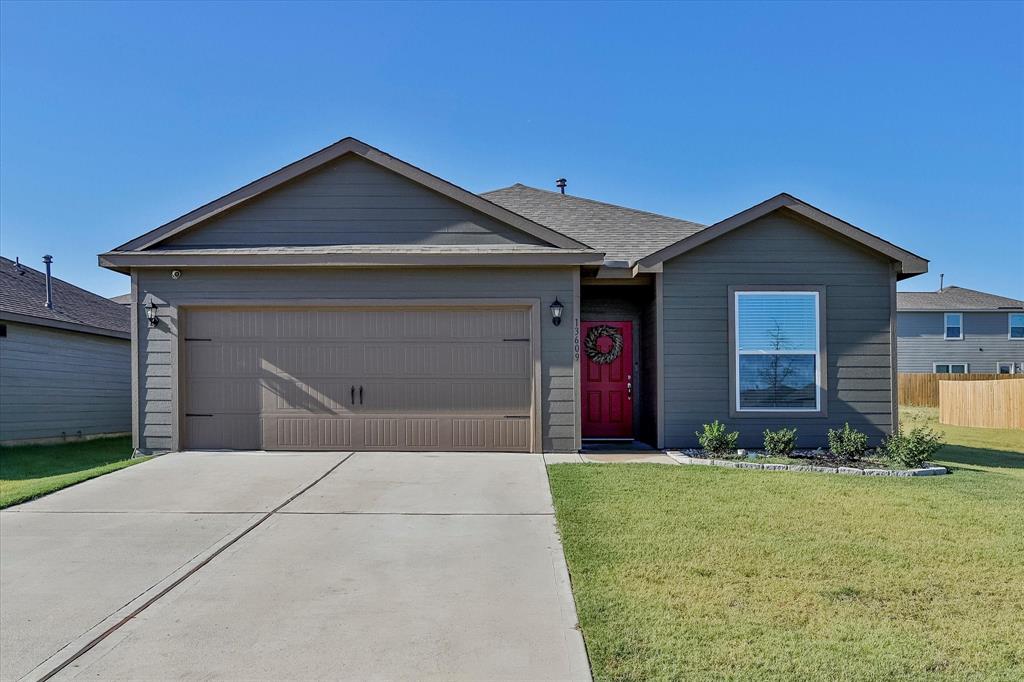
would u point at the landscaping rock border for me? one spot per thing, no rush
(847, 471)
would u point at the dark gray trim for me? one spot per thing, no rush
(659, 295)
(910, 263)
(66, 326)
(894, 380)
(133, 307)
(734, 413)
(348, 145)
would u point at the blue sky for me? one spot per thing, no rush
(905, 119)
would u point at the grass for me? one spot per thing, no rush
(709, 573)
(31, 471)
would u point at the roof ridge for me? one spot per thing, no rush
(596, 201)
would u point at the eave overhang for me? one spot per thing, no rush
(19, 318)
(125, 261)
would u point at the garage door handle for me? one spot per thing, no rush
(360, 395)
(353, 397)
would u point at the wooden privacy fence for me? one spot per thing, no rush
(923, 389)
(988, 404)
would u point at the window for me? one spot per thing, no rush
(778, 351)
(1016, 325)
(954, 324)
(1009, 367)
(950, 367)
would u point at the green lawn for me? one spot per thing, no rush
(29, 471)
(708, 573)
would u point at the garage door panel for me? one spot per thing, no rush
(430, 379)
(223, 431)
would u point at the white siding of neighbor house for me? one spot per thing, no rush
(986, 342)
(777, 250)
(56, 383)
(157, 414)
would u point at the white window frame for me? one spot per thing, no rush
(816, 352)
(946, 325)
(965, 365)
(1011, 363)
(1009, 327)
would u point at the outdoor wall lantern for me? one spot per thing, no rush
(556, 312)
(151, 314)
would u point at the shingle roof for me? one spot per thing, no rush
(23, 293)
(621, 233)
(954, 299)
(123, 299)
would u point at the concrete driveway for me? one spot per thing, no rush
(292, 566)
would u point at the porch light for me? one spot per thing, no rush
(151, 314)
(556, 312)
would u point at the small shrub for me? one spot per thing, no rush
(847, 442)
(779, 443)
(716, 440)
(912, 448)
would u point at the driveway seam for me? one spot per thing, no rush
(152, 600)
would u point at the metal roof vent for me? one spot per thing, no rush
(560, 183)
(49, 287)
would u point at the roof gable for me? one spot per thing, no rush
(495, 218)
(909, 263)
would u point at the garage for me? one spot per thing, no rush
(388, 378)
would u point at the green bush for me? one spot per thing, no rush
(716, 440)
(779, 443)
(912, 448)
(847, 442)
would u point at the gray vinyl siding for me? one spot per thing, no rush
(56, 383)
(776, 250)
(156, 399)
(985, 342)
(349, 201)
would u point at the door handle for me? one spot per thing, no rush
(629, 387)
(360, 395)
(352, 398)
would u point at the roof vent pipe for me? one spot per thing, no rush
(18, 266)
(49, 288)
(560, 183)
(942, 276)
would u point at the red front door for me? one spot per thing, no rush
(606, 363)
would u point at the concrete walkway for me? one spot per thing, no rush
(372, 566)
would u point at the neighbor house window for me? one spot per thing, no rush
(1016, 325)
(1010, 367)
(954, 324)
(950, 367)
(778, 351)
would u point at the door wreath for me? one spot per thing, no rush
(592, 350)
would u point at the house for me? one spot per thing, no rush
(351, 300)
(959, 331)
(65, 359)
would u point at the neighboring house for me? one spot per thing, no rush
(960, 331)
(123, 299)
(353, 301)
(65, 368)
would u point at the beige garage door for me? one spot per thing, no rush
(320, 379)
